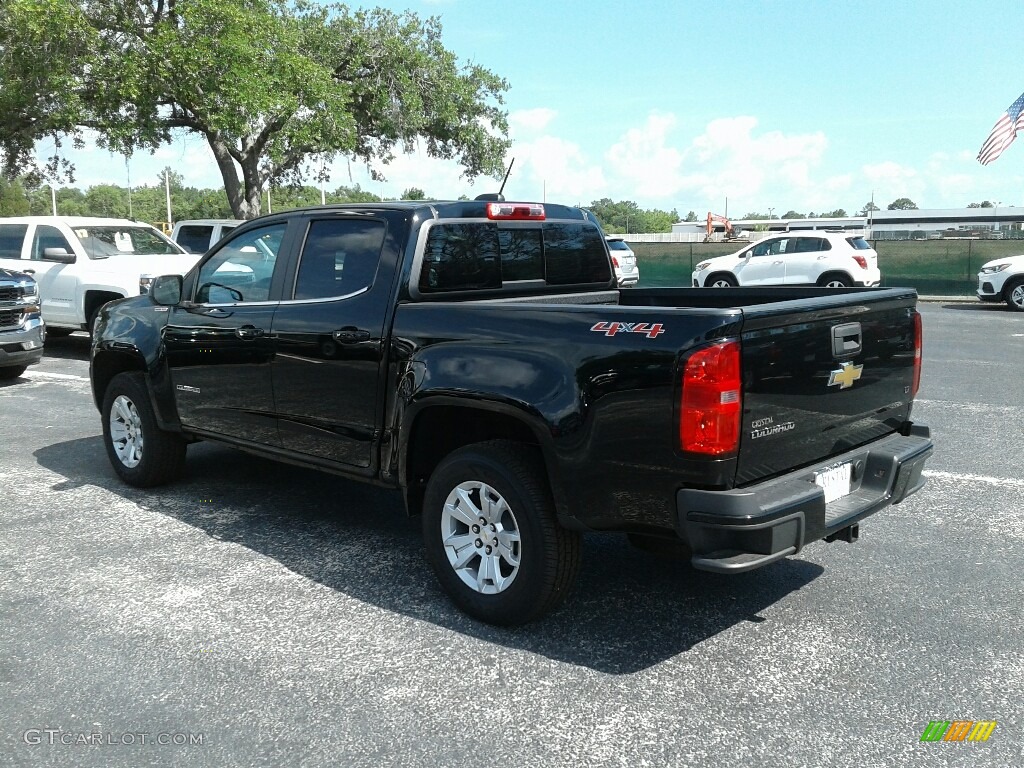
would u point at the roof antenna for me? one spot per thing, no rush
(498, 198)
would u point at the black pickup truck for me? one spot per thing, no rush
(478, 356)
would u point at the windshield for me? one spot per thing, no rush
(101, 242)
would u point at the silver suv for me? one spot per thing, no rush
(627, 273)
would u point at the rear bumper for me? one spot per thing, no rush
(743, 529)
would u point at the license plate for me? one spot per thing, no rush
(835, 481)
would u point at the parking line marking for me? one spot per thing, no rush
(47, 375)
(1005, 482)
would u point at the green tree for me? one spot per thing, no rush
(691, 216)
(13, 199)
(269, 84)
(982, 204)
(838, 213)
(107, 200)
(414, 193)
(791, 214)
(869, 206)
(903, 204)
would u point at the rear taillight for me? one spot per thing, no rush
(615, 261)
(918, 350)
(710, 404)
(862, 261)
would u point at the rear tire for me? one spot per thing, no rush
(141, 453)
(834, 281)
(12, 372)
(721, 280)
(492, 537)
(1014, 294)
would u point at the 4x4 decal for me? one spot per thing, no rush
(611, 328)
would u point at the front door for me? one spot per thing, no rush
(329, 334)
(766, 265)
(218, 346)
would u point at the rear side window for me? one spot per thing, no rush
(859, 243)
(812, 244)
(474, 256)
(340, 257)
(11, 238)
(195, 238)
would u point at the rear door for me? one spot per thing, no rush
(330, 334)
(218, 346)
(804, 258)
(821, 381)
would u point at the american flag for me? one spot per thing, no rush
(1003, 132)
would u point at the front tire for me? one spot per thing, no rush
(491, 535)
(12, 372)
(141, 453)
(1015, 296)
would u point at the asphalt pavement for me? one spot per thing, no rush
(256, 614)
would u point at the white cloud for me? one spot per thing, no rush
(529, 121)
(643, 160)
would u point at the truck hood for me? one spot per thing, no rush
(153, 265)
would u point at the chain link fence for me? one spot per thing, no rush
(947, 267)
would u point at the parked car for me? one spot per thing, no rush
(81, 263)
(816, 257)
(1003, 280)
(199, 235)
(22, 331)
(627, 273)
(478, 356)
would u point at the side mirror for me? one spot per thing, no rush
(166, 290)
(59, 255)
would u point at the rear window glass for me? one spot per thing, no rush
(461, 257)
(859, 243)
(473, 256)
(195, 238)
(617, 245)
(575, 254)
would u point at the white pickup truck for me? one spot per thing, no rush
(81, 263)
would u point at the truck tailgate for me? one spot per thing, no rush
(818, 383)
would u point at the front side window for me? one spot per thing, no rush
(340, 257)
(48, 237)
(12, 236)
(241, 270)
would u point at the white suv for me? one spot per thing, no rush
(627, 273)
(1003, 280)
(81, 263)
(814, 257)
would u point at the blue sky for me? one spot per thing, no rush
(809, 106)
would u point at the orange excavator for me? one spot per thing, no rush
(730, 232)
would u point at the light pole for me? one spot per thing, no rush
(995, 214)
(770, 212)
(627, 223)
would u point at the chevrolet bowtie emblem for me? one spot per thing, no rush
(845, 376)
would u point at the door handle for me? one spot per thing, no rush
(778, 262)
(350, 334)
(248, 332)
